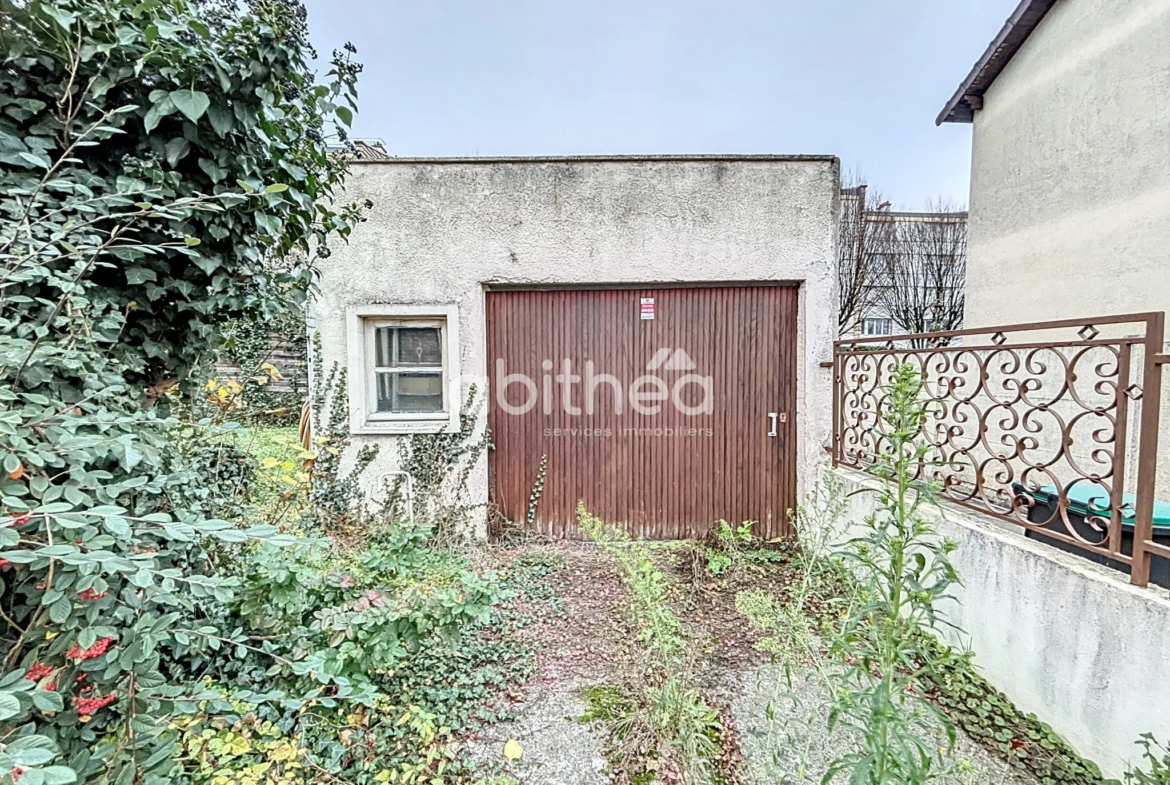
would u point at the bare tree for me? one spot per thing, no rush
(922, 261)
(855, 274)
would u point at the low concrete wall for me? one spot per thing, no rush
(1065, 639)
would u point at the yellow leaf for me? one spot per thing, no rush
(513, 750)
(269, 463)
(280, 752)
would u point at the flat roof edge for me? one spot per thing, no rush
(553, 159)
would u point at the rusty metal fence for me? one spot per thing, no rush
(1052, 426)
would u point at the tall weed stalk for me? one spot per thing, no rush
(903, 572)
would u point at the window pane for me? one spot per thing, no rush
(385, 392)
(383, 343)
(403, 393)
(419, 346)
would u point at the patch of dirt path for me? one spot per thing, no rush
(577, 622)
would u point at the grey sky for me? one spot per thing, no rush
(859, 79)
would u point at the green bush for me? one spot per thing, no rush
(1157, 757)
(163, 169)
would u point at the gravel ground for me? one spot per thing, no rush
(557, 749)
(794, 747)
(588, 640)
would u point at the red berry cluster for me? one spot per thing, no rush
(38, 671)
(51, 686)
(20, 520)
(90, 705)
(90, 594)
(96, 650)
(4, 562)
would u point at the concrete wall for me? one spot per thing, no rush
(1070, 176)
(1065, 639)
(440, 230)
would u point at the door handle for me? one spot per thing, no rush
(774, 417)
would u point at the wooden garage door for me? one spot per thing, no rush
(653, 406)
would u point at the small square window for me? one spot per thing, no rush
(408, 367)
(402, 369)
(878, 326)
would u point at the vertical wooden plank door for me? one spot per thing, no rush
(652, 406)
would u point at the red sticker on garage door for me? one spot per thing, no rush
(647, 307)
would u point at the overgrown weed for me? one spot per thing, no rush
(660, 724)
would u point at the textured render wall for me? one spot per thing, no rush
(1070, 181)
(1068, 640)
(440, 230)
(1070, 176)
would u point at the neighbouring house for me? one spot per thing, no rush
(1070, 168)
(899, 271)
(1070, 164)
(1042, 432)
(643, 334)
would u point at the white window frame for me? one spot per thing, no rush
(889, 331)
(361, 321)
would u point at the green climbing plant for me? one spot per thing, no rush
(537, 492)
(441, 464)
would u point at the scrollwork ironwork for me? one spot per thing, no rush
(1025, 431)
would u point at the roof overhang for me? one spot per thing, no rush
(969, 97)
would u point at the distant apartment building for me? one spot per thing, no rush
(899, 271)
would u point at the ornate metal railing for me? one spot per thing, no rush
(1042, 425)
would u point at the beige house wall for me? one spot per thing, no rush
(1070, 176)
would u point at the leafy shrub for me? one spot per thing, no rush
(162, 169)
(1157, 757)
(725, 545)
(373, 658)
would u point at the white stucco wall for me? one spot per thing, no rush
(1065, 639)
(440, 230)
(1070, 177)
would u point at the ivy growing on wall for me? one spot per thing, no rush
(441, 464)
